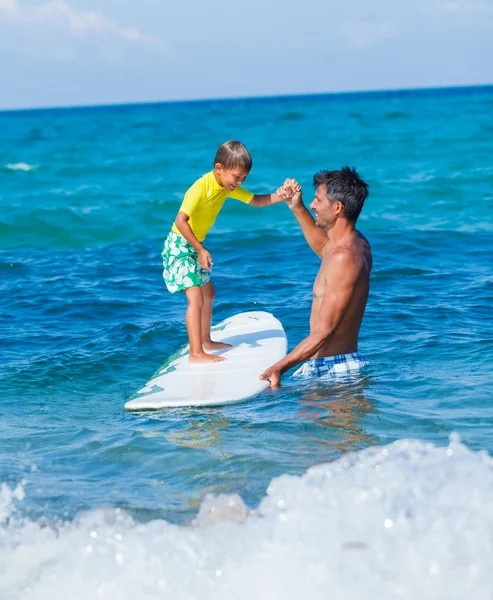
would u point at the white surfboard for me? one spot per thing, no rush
(258, 341)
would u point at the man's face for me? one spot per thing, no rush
(230, 178)
(325, 211)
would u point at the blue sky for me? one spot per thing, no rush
(79, 52)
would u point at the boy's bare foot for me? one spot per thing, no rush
(215, 345)
(203, 357)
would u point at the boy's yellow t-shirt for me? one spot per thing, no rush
(204, 200)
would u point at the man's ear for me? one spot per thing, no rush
(339, 207)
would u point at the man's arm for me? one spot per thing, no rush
(339, 284)
(315, 237)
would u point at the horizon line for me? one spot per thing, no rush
(282, 97)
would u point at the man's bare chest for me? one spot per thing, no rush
(320, 282)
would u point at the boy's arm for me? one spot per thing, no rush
(260, 200)
(283, 193)
(315, 237)
(181, 222)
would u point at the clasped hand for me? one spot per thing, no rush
(290, 192)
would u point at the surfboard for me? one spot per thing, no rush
(258, 341)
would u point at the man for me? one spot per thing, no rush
(342, 284)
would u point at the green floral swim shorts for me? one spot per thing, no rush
(181, 264)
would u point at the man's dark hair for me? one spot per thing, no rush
(233, 154)
(347, 187)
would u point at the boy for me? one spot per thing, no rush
(187, 264)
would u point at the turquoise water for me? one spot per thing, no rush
(87, 197)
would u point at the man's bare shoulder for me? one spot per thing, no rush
(361, 237)
(365, 249)
(341, 261)
(342, 255)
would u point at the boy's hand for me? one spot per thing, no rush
(285, 191)
(205, 259)
(292, 193)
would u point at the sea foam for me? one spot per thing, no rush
(21, 167)
(407, 520)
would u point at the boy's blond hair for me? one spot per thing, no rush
(233, 154)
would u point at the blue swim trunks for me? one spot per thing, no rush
(332, 366)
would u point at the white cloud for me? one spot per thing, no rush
(461, 13)
(60, 15)
(478, 13)
(363, 34)
(466, 8)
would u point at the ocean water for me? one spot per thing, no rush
(380, 485)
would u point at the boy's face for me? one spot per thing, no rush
(230, 178)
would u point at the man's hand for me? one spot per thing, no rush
(205, 259)
(290, 192)
(273, 376)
